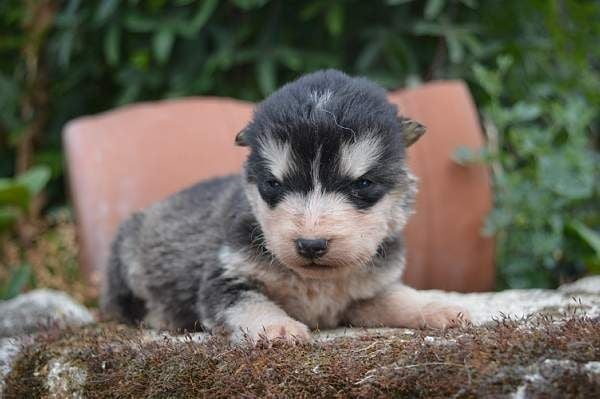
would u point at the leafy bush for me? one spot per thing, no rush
(545, 181)
(532, 66)
(17, 194)
(16, 199)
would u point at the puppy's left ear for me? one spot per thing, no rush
(241, 139)
(411, 131)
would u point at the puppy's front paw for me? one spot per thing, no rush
(285, 330)
(440, 315)
(289, 331)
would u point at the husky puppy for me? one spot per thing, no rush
(308, 236)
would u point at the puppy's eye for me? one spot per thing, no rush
(365, 193)
(271, 187)
(274, 184)
(361, 184)
(271, 191)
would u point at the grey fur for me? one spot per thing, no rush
(187, 262)
(175, 244)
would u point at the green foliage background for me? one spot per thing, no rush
(533, 67)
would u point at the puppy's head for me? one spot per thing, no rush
(326, 175)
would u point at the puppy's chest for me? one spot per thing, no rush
(321, 304)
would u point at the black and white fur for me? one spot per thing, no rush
(326, 167)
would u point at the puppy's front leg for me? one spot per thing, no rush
(249, 314)
(255, 316)
(402, 306)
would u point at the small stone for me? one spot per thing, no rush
(556, 368)
(587, 285)
(39, 310)
(65, 380)
(592, 369)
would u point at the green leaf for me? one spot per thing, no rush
(368, 55)
(140, 59)
(17, 281)
(335, 19)
(434, 8)
(163, 43)
(205, 11)
(488, 80)
(8, 217)
(504, 63)
(525, 112)
(265, 75)
(567, 173)
(574, 113)
(52, 158)
(35, 179)
(112, 41)
(587, 235)
(289, 57)
(429, 28)
(13, 193)
(106, 9)
(10, 103)
(465, 156)
(455, 48)
(66, 42)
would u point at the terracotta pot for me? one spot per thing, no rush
(445, 247)
(126, 159)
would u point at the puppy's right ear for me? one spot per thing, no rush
(411, 130)
(240, 138)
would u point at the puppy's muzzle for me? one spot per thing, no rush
(311, 248)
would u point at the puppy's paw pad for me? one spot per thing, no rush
(439, 315)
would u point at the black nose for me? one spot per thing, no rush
(310, 248)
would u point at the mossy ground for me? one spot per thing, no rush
(488, 360)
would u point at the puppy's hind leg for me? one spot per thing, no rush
(118, 300)
(402, 306)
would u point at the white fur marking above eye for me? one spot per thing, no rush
(278, 156)
(315, 170)
(357, 158)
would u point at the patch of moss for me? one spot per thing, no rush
(472, 361)
(26, 377)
